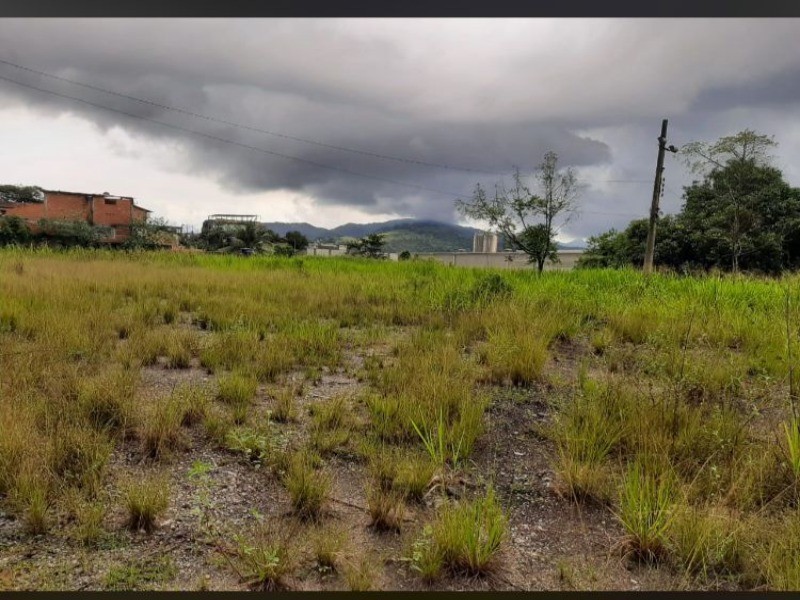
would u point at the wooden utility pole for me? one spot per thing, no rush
(651, 231)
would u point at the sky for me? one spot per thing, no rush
(331, 121)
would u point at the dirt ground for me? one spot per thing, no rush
(552, 543)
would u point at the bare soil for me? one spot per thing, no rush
(552, 544)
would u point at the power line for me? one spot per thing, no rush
(273, 133)
(244, 127)
(231, 142)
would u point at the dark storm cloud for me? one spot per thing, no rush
(480, 95)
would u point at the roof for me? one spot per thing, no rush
(103, 195)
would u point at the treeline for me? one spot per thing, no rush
(234, 237)
(78, 234)
(742, 215)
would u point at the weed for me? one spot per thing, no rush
(255, 444)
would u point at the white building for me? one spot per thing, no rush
(484, 242)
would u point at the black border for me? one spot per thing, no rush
(399, 8)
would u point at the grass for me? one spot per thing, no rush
(140, 574)
(645, 510)
(308, 488)
(328, 545)
(692, 370)
(268, 556)
(386, 509)
(145, 498)
(464, 538)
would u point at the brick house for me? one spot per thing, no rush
(116, 212)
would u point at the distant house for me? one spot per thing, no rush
(118, 213)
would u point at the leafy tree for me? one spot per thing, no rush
(404, 255)
(21, 193)
(14, 230)
(514, 211)
(370, 246)
(731, 166)
(297, 240)
(741, 215)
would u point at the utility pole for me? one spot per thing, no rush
(651, 230)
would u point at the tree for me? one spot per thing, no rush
(740, 215)
(514, 211)
(14, 230)
(370, 246)
(729, 166)
(296, 240)
(21, 193)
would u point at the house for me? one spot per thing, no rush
(117, 213)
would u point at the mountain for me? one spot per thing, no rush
(401, 234)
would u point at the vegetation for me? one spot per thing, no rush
(370, 246)
(741, 215)
(335, 392)
(513, 211)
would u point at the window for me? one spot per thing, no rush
(110, 201)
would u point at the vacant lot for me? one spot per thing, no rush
(205, 422)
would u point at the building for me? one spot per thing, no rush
(117, 213)
(322, 249)
(568, 258)
(484, 242)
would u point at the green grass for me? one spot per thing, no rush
(692, 370)
(145, 499)
(465, 537)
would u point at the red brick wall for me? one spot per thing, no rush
(96, 210)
